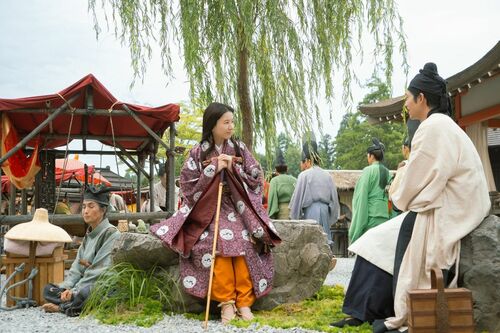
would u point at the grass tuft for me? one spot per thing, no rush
(125, 294)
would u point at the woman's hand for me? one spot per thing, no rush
(221, 163)
(228, 160)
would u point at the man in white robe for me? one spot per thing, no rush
(445, 188)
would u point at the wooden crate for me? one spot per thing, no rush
(428, 308)
(50, 270)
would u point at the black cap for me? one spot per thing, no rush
(377, 145)
(99, 194)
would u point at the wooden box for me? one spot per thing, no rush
(50, 270)
(440, 310)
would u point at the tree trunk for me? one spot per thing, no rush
(244, 95)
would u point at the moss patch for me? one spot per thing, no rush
(315, 314)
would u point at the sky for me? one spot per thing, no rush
(46, 45)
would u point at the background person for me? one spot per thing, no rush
(281, 189)
(315, 196)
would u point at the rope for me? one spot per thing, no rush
(65, 152)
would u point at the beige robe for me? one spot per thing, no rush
(445, 184)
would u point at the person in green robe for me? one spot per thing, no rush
(92, 259)
(281, 190)
(370, 201)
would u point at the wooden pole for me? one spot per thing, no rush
(171, 171)
(136, 164)
(151, 173)
(12, 199)
(146, 127)
(214, 247)
(24, 202)
(37, 130)
(138, 196)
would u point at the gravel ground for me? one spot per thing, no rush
(35, 320)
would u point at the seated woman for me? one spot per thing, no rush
(92, 259)
(243, 267)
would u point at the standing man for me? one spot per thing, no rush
(281, 190)
(444, 189)
(315, 196)
(160, 192)
(370, 201)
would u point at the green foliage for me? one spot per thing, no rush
(355, 129)
(355, 134)
(125, 294)
(315, 313)
(293, 51)
(188, 133)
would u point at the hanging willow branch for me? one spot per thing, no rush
(270, 58)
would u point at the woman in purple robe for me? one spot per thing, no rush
(243, 268)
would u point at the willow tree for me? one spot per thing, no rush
(272, 59)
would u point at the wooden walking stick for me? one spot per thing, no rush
(214, 246)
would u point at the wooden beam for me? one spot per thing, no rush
(12, 199)
(138, 192)
(146, 127)
(480, 116)
(151, 172)
(79, 112)
(136, 164)
(63, 219)
(88, 152)
(171, 170)
(85, 126)
(97, 137)
(124, 160)
(24, 202)
(494, 123)
(37, 130)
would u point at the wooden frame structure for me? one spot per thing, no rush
(146, 146)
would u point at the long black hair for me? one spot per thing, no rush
(211, 115)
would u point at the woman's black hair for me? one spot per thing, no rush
(211, 115)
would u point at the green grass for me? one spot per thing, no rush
(315, 314)
(127, 295)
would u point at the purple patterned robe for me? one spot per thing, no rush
(239, 224)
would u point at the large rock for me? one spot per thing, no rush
(302, 262)
(480, 272)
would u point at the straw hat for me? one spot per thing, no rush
(39, 229)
